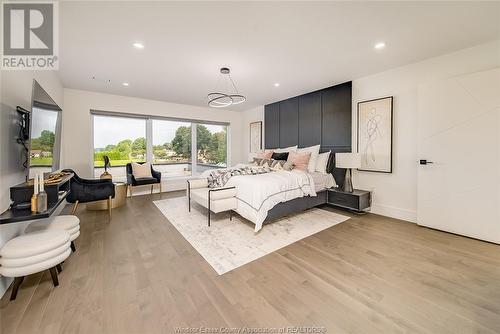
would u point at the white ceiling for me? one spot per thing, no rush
(304, 46)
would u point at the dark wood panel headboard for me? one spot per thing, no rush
(322, 117)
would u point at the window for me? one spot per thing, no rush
(122, 139)
(172, 147)
(211, 145)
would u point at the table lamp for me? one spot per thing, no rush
(348, 161)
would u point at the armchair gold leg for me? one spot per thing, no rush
(74, 208)
(131, 187)
(110, 206)
(160, 189)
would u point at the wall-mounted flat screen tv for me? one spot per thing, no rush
(45, 133)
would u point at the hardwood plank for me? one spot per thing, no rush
(371, 274)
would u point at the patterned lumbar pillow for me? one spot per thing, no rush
(277, 164)
(257, 161)
(288, 166)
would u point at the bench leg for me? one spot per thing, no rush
(189, 197)
(15, 287)
(73, 247)
(53, 273)
(59, 268)
(209, 208)
(230, 214)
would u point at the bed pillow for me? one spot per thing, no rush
(322, 162)
(314, 150)
(299, 160)
(277, 164)
(287, 149)
(288, 166)
(280, 156)
(141, 170)
(265, 154)
(256, 161)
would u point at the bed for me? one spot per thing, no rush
(266, 197)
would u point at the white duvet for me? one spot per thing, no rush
(257, 194)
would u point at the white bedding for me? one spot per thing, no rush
(257, 194)
(323, 181)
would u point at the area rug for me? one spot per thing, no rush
(227, 245)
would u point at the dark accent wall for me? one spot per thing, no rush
(322, 117)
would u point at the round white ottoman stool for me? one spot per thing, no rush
(32, 253)
(68, 223)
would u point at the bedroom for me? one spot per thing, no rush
(403, 106)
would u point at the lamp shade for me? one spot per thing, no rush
(348, 160)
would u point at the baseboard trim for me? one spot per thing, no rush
(394, 212)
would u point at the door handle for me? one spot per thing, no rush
(425, 162)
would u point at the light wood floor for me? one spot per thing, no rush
(371, 274)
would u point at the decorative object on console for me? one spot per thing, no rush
(107, 164)
(230, 97)
(348, 161)
(375, 134)
(90, 190)
(41, 199)
(134, 180)
(255, 136)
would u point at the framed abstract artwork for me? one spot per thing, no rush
(255, 137)
(375, 135)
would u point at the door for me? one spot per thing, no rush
(459, 152)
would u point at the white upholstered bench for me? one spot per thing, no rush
(214, 199)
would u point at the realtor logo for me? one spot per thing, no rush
(29, 36)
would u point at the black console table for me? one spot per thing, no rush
(16, 216)
(57, 193)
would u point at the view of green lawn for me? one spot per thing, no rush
(41, 161)
(211, 149)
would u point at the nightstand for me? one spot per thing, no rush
(358, 200)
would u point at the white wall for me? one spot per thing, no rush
(77, 141)
(395, 194)
(16, 89)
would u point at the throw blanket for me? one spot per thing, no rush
(219, 177)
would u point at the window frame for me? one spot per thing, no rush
(149, 136)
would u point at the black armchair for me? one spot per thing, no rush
(132, 181)
(89, 190)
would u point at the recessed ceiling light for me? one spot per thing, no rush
(125, 84)
(276, 84)
(380, 45)
(138, 45)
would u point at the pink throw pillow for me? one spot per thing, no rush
(267, 154)
(299, 160)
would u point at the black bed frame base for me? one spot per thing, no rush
(296, 205)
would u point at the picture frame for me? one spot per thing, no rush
(375, 134)
(255, 137)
